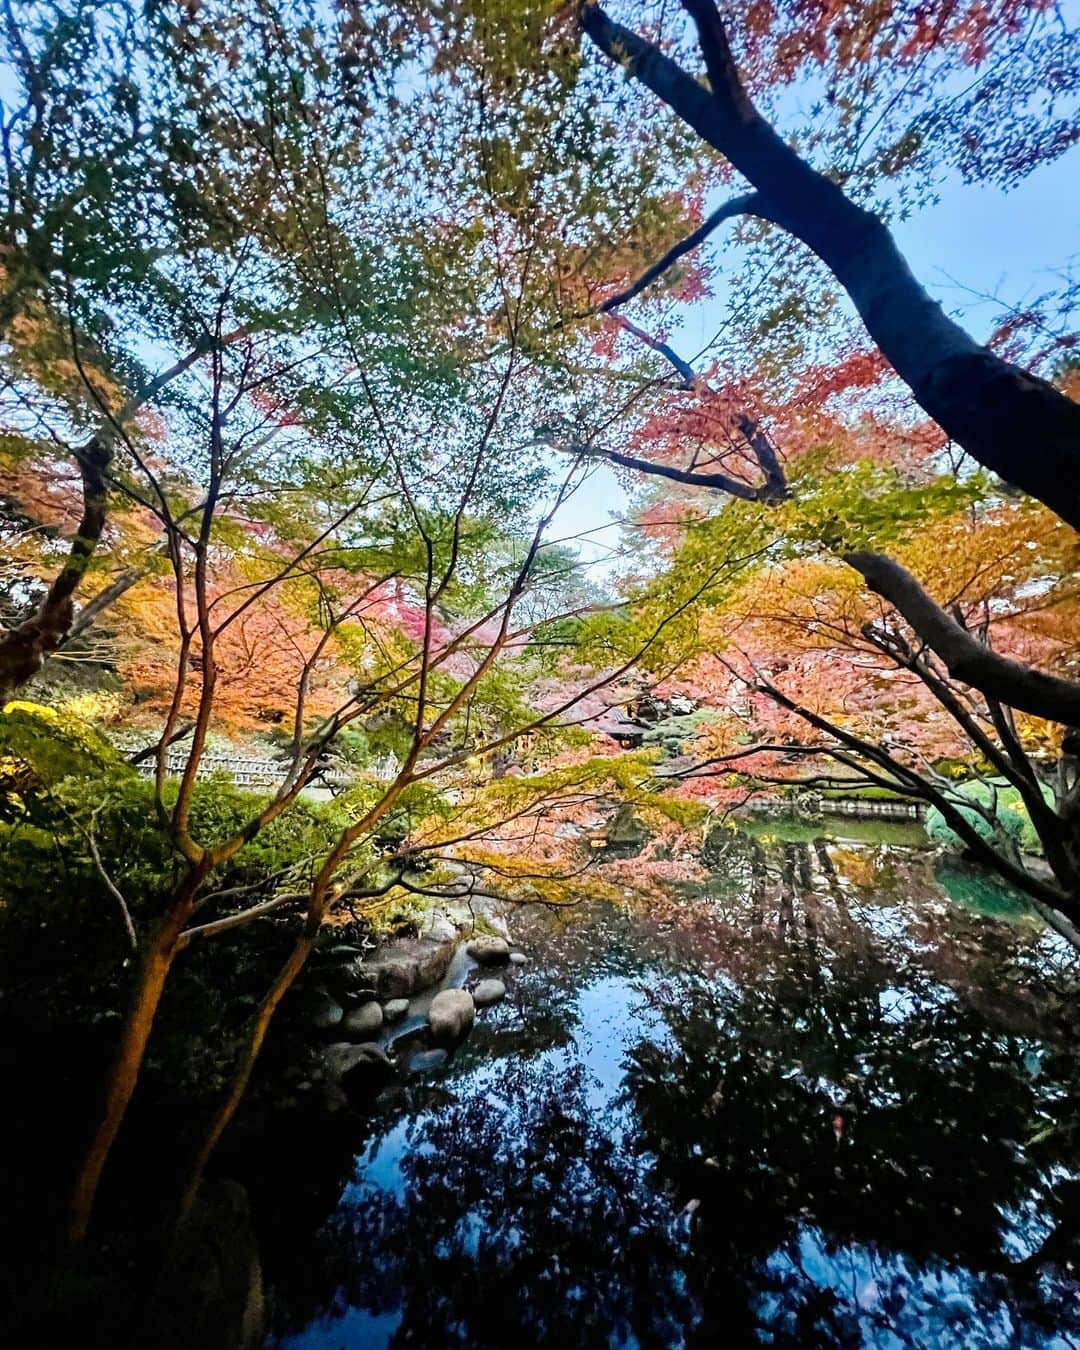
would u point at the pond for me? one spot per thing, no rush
(827, 1098)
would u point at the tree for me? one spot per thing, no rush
(368, 546)
(273, 142)
(882, 689)
(988, 406)
(819, 685)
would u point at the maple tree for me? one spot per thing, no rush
(767, 433)
(340, 547)
(280, 155)
(296, 305)
(988, 406)
(819, 684)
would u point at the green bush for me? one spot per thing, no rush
(1011, 818)
(61, 782)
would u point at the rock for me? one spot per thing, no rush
(397, 976)
(489, 951)
(499, 924)
(451, 1015)
(333, 1099)
(344, 949)
(325, 1014)
(428, 1059)
(438, 928)
(351, 983)
(363, 1023)
(488, 992)
(360, 1071)
(460, 913)
(395, 1010)
(342, 1057)
(404, 967)
(518, 958)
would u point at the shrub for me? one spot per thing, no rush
(1011, 817)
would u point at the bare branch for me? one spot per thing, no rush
(738, 206)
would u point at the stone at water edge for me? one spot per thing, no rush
(360, 1071)
(332, 1098)
(518, 958)
(428, 1059)
(439, 929)
(342, 1057)
(499, 925)
(363, 1023)
(451, 1015)
(326, 1014)
(489, 951)
(396, 1009)
(405, 966)
(488, 992)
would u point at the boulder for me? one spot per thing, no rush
(396, 1009)
(360, 1071)
(451, 1015)
(438, 928)
(496, 922)
(332, 1098)
(343, 1057)
(489, 951)
(488, 992)
(350, 982)
(325, 1013)
(404, 967)
(518, 958)
(363, 1023)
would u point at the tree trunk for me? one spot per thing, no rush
(997, 677)
(153, 971)
(25, 647)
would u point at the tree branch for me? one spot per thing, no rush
(995, 676)
(994, 410)
(747, 204)
(722, 481)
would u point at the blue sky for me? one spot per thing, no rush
(975, 238)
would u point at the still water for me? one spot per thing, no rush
(827, 1098)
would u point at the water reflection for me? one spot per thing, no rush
(824, 1108)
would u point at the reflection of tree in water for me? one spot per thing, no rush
(842, 1126)
(870, 1101)
(517, 1221)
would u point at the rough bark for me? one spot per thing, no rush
(1007, 419)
